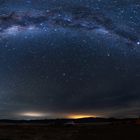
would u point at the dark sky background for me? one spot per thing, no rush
(63, 57)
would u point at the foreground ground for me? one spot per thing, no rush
(78, 132)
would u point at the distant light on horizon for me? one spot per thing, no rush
(79, 116)
(48, 115)
(33, 114)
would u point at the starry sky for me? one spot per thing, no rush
(64, 57)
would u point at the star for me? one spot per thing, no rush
(138, 43)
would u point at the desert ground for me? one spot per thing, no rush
(69, 132)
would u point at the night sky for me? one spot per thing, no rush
(60, 58)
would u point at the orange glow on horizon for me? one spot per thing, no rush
(80, 116)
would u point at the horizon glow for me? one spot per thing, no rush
(79, 116)
(33, 114)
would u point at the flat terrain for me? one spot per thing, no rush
(78, 132)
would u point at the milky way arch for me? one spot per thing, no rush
(81, 18)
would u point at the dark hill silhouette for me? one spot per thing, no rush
(76, 121)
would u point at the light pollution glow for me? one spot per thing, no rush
(33, 114)
(79, 116)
